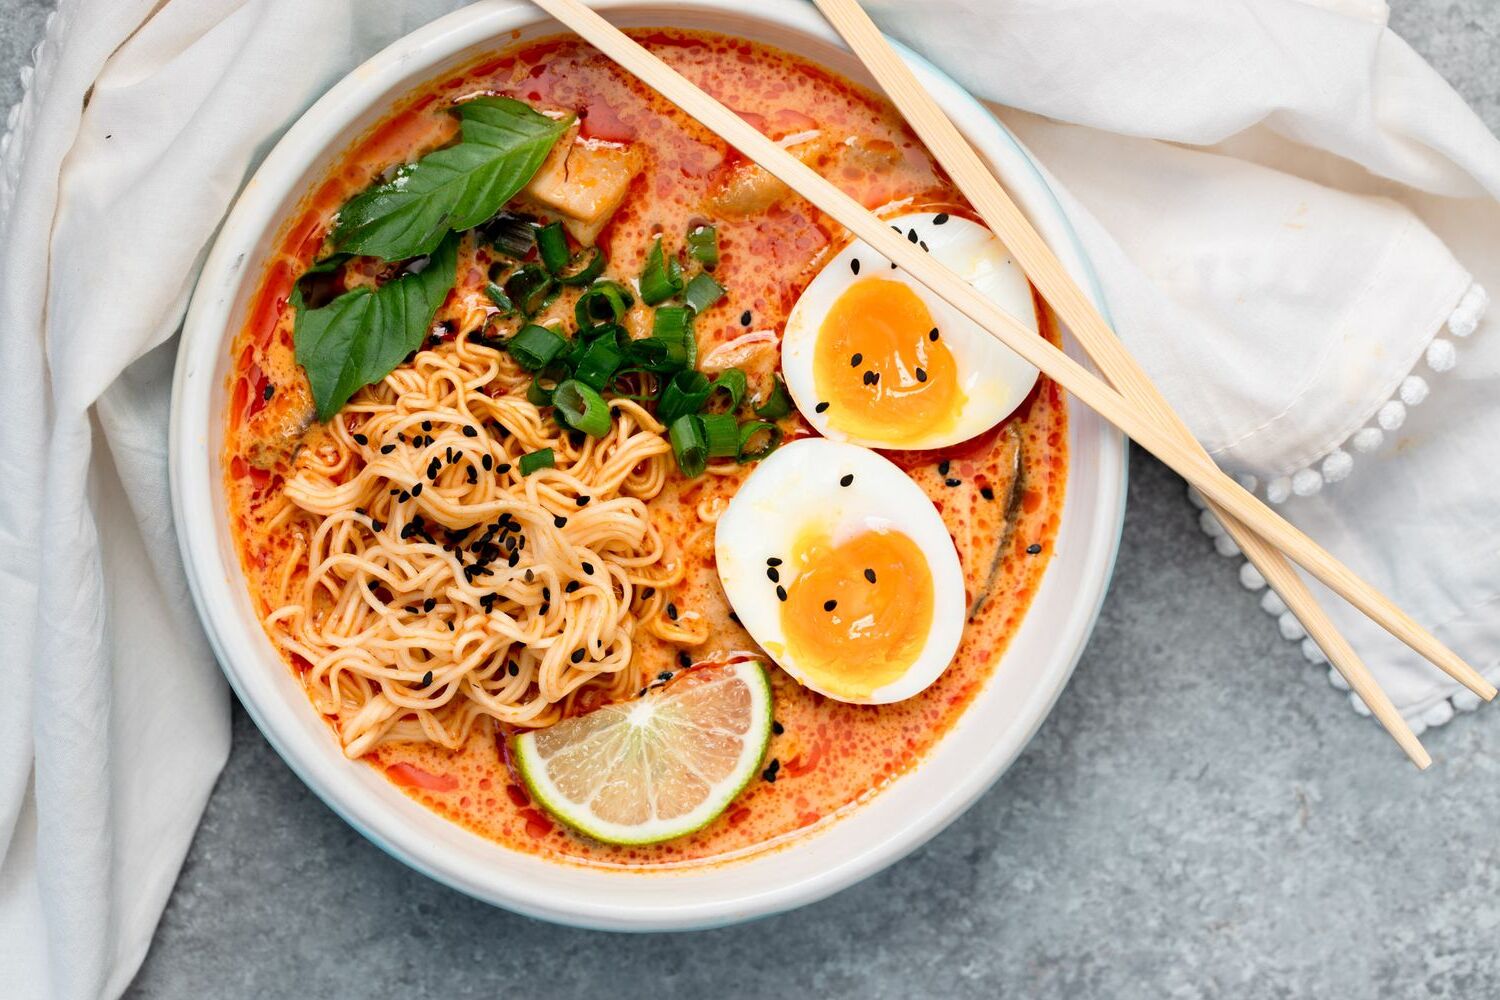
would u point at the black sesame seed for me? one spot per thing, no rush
(588, 569)
(830, 605)
(472, 475)
(416, 489)
(854, 264)
(530, 577)
(769, 774)
(777, 727)
(911, 236)
(923, 245)
(470, 431)
(745, 318)
(821, 407)
(943, 467)
(780, 593)
(268, 392)
(870, 575)
(360, 439)
(950, 482)
(921, 375)
(583, 501)
(683, 660)
(402, 497)
(572, 587)
(386, 449)
(1033, 549)
(932, 334)
(577, 656)
(426, 679)
(559, 521)
(429, 604)
(773, 574)
(988, 492)
(515, 557)
(488, 462)
(940, 218)
(773, 561)
(377, 525)
(856, 359)
(427, 425)
(514, 669)
(847, 479)
(503, 468)
(671, 611)
(871, 378)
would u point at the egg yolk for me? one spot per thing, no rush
(881, 369)
(857, 615)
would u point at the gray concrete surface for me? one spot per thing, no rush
(1202, 816)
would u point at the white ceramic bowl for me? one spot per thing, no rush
(894, 822)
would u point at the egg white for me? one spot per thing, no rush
(994, 378)
(798, 487)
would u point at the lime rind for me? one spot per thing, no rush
(580, 817)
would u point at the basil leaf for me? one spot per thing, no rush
(359, 337)
(502, 144)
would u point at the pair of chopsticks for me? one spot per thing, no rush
(1131, 403)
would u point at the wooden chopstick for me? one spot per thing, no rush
(1188, 462)
(1004, 218)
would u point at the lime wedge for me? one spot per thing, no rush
(658, 767)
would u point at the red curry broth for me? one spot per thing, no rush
(824, 755)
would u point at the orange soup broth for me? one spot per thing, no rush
(999, 495)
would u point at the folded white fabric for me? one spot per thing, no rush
(1280, 198)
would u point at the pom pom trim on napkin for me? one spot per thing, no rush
(1440, 357)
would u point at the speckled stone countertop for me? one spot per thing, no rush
(1202, 816)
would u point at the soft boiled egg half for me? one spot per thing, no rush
(839, 566)
(871, 356)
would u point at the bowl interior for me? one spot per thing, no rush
(817, 862)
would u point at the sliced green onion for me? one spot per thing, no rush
(552, 246)
(512, 235)
(778, 404)
(702, 292)
(544, 383)
(722, 432)
(533, 460)
(673, 326)
(604, 302)
(580, 407)
(684, 394)
(649, 354)
(531, 288)
(497, 295)
(635, 383)
(747, 452)
(703, 246)
(689, 445)
(535, 346)
(662, 277)
(586, 265)
(731, 383)
(598, 362)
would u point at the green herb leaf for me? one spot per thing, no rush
(359, 337)
(503, 143)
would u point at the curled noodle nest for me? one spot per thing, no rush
(434, 586)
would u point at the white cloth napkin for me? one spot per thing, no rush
(1280, 198)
